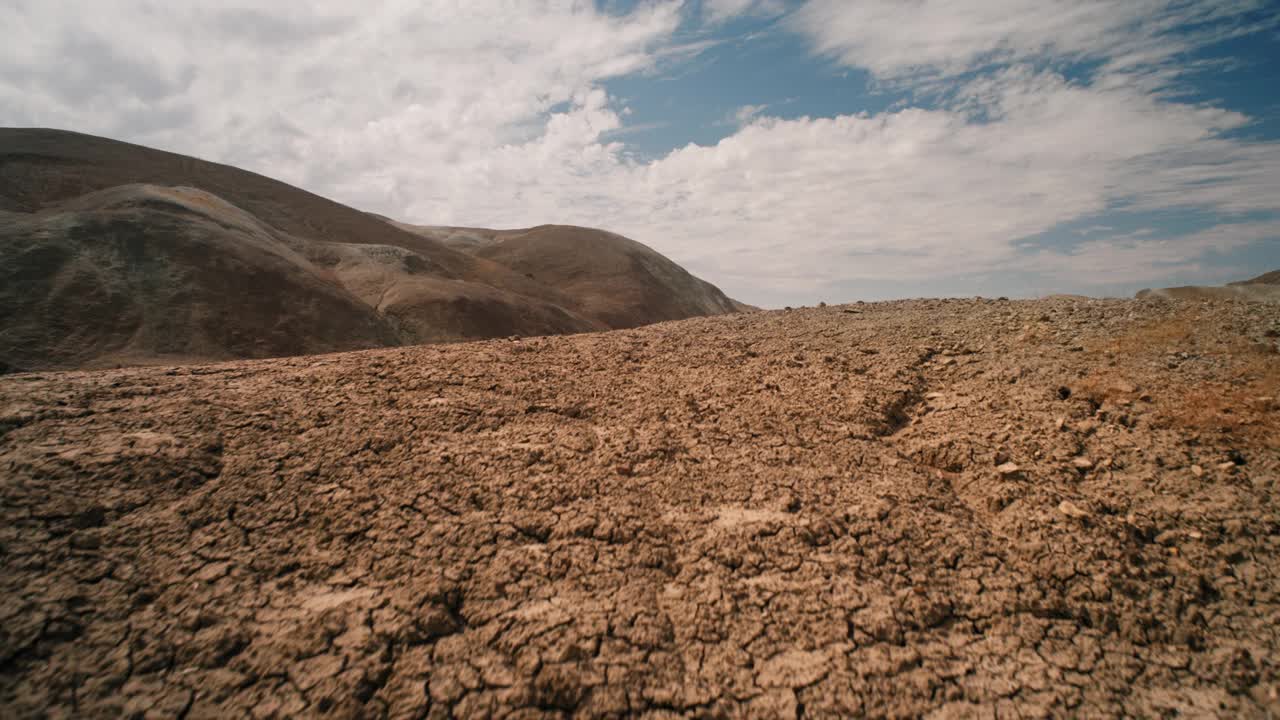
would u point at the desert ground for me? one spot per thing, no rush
(947, 508)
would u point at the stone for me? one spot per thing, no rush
(1071, 510)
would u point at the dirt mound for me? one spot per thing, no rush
(946, 508)
(415, 288)
(609, 278)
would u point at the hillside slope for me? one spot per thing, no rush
(1264, 288)
(141, 273)
(915, 509)
(1268, 278)
(610, 278)
(413, 287)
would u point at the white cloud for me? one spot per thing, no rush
(316, 92)
(742, 115)
(912, 194)
(493, 113)
(1138, 259)
(904, 38)
(723, 10)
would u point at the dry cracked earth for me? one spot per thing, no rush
(973, 508)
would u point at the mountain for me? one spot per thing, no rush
(1264, 288)
(112, 253)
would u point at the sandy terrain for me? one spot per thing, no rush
(940, 508)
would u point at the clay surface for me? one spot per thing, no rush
(973, 508)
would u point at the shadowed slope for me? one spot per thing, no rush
(145, 274)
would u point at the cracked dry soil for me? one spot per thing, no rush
(931, 508)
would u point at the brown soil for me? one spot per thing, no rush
(931, 508)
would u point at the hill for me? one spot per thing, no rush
(1269, 278)
(611, 279)
(1264, 288)
(914, 509)
(271, 269)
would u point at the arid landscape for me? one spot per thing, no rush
(940, 508)
(659, 359)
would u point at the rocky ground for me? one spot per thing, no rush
(973, 508)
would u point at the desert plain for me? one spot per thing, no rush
(936, 508)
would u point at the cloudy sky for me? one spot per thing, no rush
(787, 151)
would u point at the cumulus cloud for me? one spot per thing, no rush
(494, 113)
(317, 92)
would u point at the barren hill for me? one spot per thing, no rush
(333, 278)
(612, 279)
(1269, 278)
(916, 509)
(1264, 288)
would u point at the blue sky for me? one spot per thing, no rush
(789, 151)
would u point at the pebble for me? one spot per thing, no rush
(1071, 510)
(1082, 463)
(1197, 471)
(1008, 469)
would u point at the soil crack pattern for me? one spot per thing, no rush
(965, 508)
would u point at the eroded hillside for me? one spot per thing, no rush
(961, 508)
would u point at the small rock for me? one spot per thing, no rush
(1227, 466)
(1167, 538)
(1008, 469)
(86, 540)
(1071, 510)
(1082, 463)
(1060, 423)
(1197, 471)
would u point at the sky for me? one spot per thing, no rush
(788, 151)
